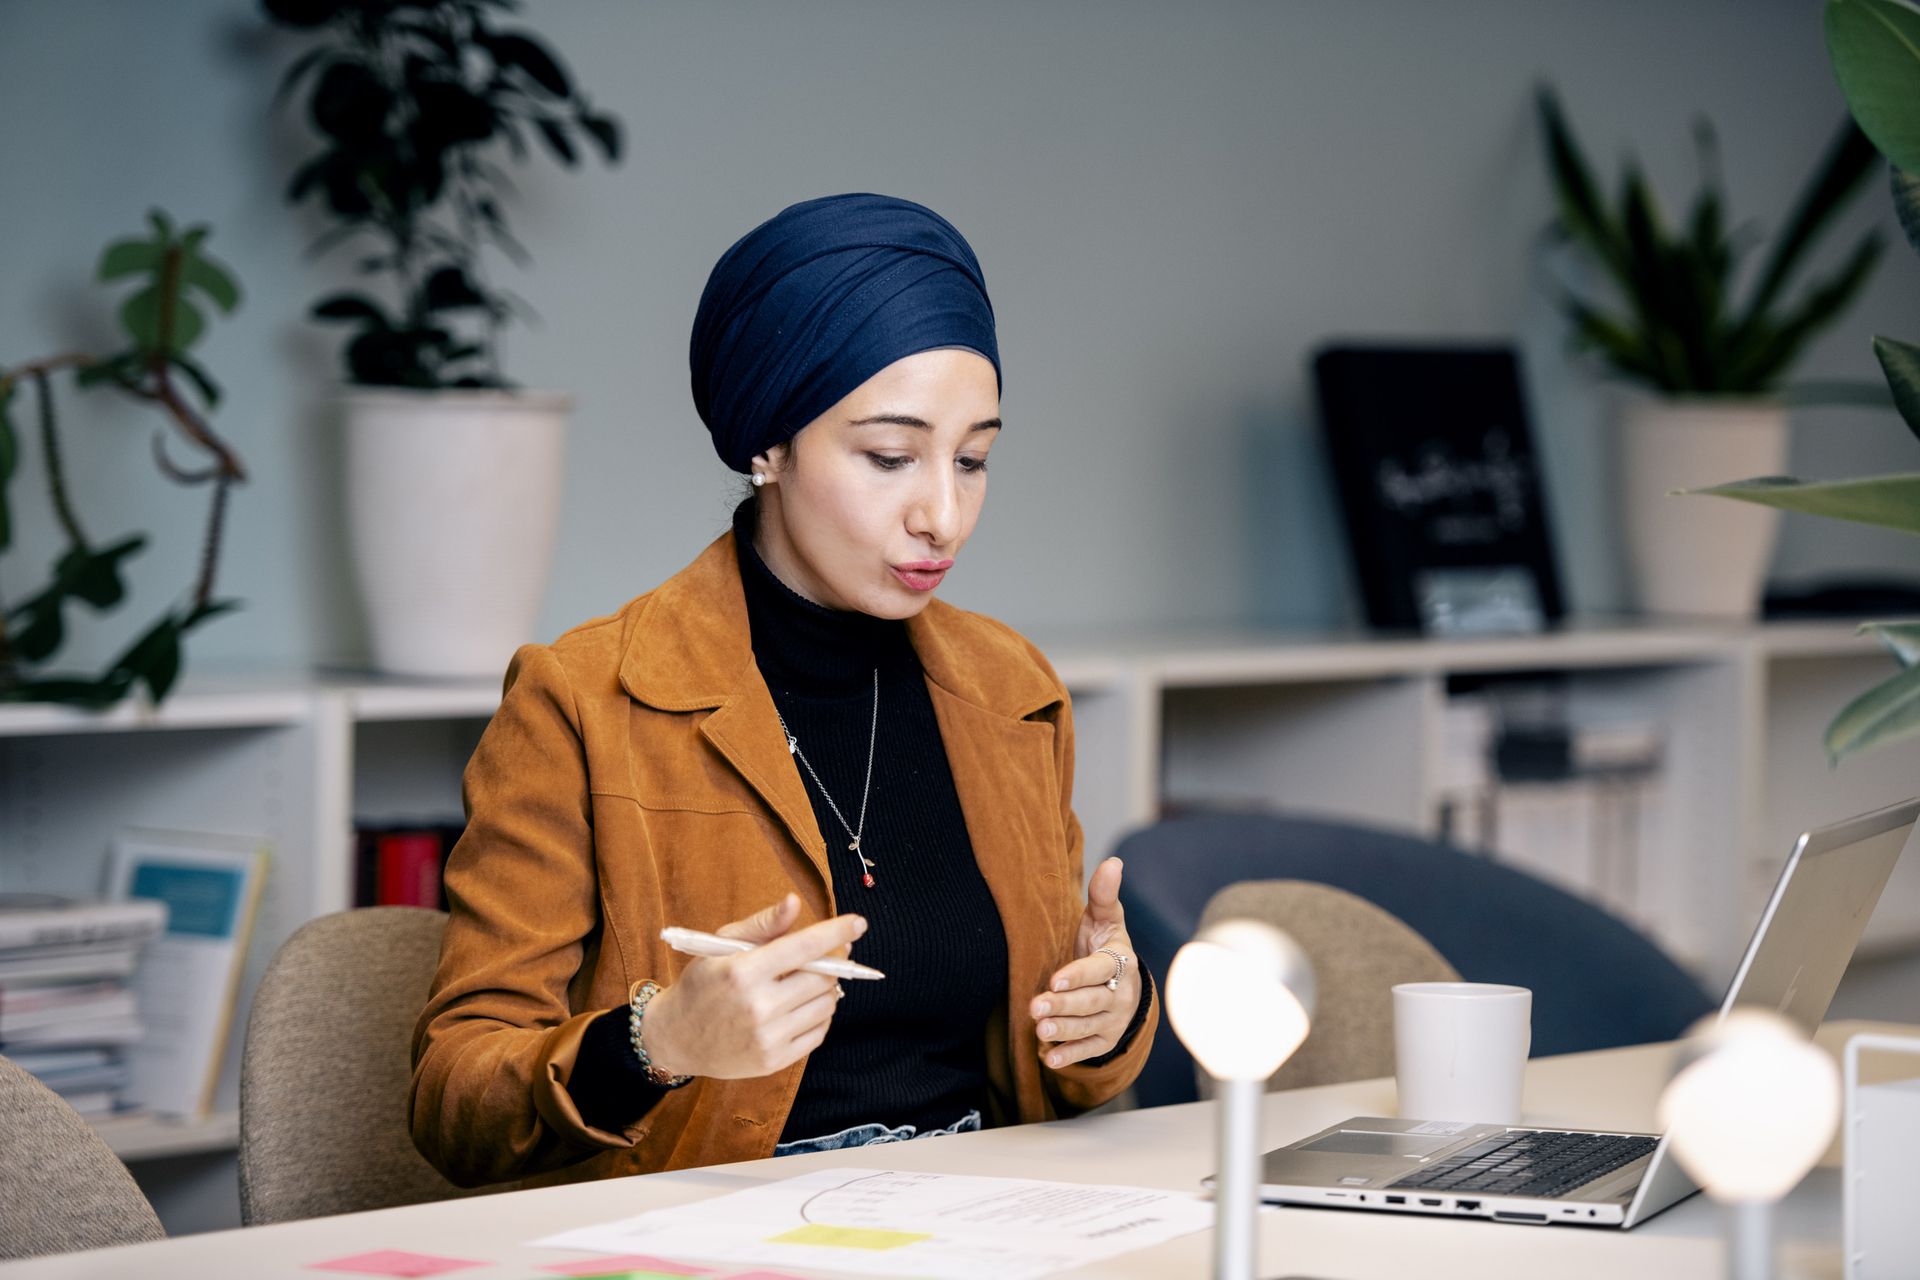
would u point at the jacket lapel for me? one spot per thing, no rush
(689, 648)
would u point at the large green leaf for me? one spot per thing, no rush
(1875, 48)
(1888, 711)
(1892, 502)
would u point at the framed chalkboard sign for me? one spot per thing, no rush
(1444, 508)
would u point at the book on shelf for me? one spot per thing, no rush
(189, 978)
(403, 865)
(37, 921)
(66, 1009)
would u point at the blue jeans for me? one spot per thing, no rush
(865, 1135)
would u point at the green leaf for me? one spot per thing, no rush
(130, 258)
(1767, 360)
(209, 389)
(140, 315)
(1875, 49)
(557, 141)
(1901, 363)
(1617, 340)
(605, 131)
(155, 657)
(1582, 213)
(351, 306)
(1850, 158)
(1901, 637)
(1891, 502)
(516, 49)
(203, 273)
(42, 634)
(1906, 203)
(1887, 712)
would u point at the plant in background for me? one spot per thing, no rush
(1875, 49)
(163, 319)
(411, 98)
(1676, 325)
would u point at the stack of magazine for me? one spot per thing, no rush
(68, 1013)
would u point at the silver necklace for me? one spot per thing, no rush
(873, 734)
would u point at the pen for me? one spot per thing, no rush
(692, 942)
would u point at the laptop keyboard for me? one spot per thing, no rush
(1529, 1163)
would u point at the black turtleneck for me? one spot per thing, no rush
(909, 1049)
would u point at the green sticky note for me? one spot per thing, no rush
(849, 1237)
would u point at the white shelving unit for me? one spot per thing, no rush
(1343, 726)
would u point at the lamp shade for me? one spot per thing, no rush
(1240, 997)
(1751, 1107)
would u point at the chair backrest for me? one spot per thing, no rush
(1359, 952)
(61, 1188)
(1596, 982)
(327, 1069)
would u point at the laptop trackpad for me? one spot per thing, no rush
(1360, 1142)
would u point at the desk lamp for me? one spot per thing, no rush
(1750, 1108)
(1240, 996)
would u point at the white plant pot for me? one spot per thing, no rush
(453, 498)
(1692, 554)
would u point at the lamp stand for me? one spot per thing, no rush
(1750, 1240)
(1236, 1188)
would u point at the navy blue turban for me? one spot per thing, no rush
(819, 298)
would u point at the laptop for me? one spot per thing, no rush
(1513, 1173)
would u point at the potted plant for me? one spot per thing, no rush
(1875, 49)
(453, 474)
(1708, 361)
(164, 318)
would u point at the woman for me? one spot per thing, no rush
(792, 742)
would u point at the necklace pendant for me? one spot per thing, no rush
(793, 745)
(855, 846)
(866, 878)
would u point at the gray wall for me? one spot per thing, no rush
(1173, 203)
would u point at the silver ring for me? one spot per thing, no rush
(1119, 968)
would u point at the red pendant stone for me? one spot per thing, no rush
(868, 877)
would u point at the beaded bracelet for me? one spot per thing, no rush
(637, 997)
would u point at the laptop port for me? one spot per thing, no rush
(1396, 1199)
(1507, 1215)
(1466, 1206)
(1432, 1204)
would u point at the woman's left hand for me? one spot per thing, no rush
(1078, 1016)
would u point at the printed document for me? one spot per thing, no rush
(930, 1225)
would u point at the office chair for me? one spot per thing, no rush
(1358, 951)
(61, 1189)
(1596, 982)
(327, 1067)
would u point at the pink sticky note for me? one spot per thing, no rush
(626, 1262)
(394, 1262)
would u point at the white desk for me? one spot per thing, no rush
(1162, 1147)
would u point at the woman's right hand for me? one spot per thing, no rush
(736, 1017)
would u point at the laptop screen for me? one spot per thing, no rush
(1818, 911)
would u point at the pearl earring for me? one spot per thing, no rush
(759, 478)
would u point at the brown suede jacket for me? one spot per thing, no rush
(635, 777)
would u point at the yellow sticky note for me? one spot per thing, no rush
(848, 1237)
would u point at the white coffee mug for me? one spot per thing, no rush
(1460, 1050)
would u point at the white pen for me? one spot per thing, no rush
(692, 942)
